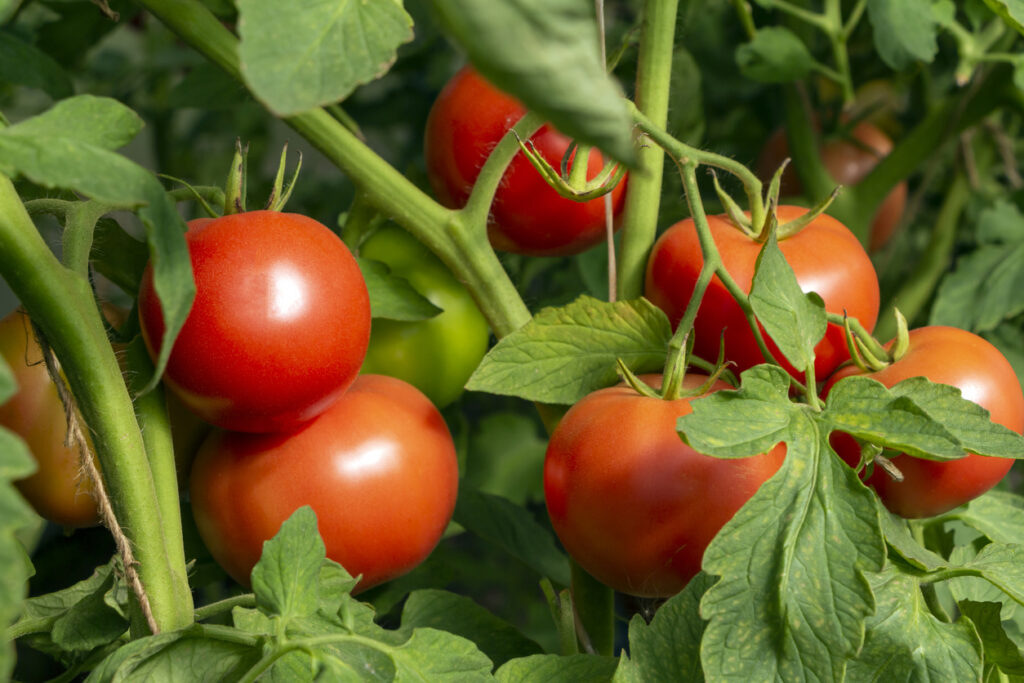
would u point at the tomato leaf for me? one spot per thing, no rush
(775, 55)
(319, 51)
(557, 669)
(865, 408)
(26, 64)
(794, 320)
(792, 596)
(905, 642)
(738, 424)
(965, 420)
(187, 654)
(506, 457)
(545, 53)
(285, 578)
(998, 515)
(118, 256)
(68, 147)
(987, 286)
(897, 535)
(997, 646)
(392, 296)
(457, 614)
(514, 530)
(904, 31)
(1002, 565)
(974, 588)
(565, 353)
(1010, 11)
(668, 648)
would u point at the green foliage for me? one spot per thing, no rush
(904, 32)
(775, 55)
(392, 296)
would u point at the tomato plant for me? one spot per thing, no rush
(528, 217)
(845, 280)
(847, 158)
(946, 355)
(59, 490)
(378, 468)
(279, 326)
(436, 355)
(632, 503)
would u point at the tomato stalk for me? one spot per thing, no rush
(60, 301)
(643, 194)
(469, 256)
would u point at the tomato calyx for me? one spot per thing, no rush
(867, 353)
(235, 187)
(678, 360)
(570, 181)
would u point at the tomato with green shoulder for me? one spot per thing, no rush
(436, 355)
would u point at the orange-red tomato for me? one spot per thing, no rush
(946, 355)
(59, 490)
(825, 256)
(378, 468)
(634, 505)
(848, 161)
(468, 119)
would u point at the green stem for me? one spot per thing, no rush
(860, 332)
(79, 226)
(60, 302)
(478, 206)
(225, 605)
(464, 250)
(807, 16)
(916, 291)
(25, 627)
(643, 193)
(595, 608)
(837, 38)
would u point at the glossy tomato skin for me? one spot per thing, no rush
(946, 355)
(467, 120)
(634, 505)
(378, 468)
(279, 326)
(825, 256)
(436, 355)
(58, 490)
(848, 161)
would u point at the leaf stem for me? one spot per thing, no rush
(225, 605)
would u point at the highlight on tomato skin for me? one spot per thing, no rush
(529, 217)
(279, 326)
(825, 257)
(946, 355)
(59, 490)
(631, 502)
(378, 467)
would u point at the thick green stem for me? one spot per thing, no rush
(917, 290)
(462, 247)
(595, 609)
(643, 194)
(60, 302)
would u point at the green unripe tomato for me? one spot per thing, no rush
(436, 355)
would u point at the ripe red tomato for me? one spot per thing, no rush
(58, 491)
(825, 256)
(949, 356)
(378, 468)
(634, 505)
(848, 161)
(527, 217)
(279, 327)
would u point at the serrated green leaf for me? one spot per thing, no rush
(865, 408)
(738, 424)
(904, 642)
(513, 529)
(25, 64)
(794, 320)
(86, 119)
(999, 515)
(897, 534)
(775, 55)
(975, 588)
(545, 53)
(318, 51)
(904, 31)
(793, 595)
(565, 353)
(986, 288)
(457, 614)
(432, 655)
(996, 645)
(1002, 565)
(393, 297)
(557, 669)
(966, 420)
(669, 647)
(1010, 11)
(285, 580)
(88, 623)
